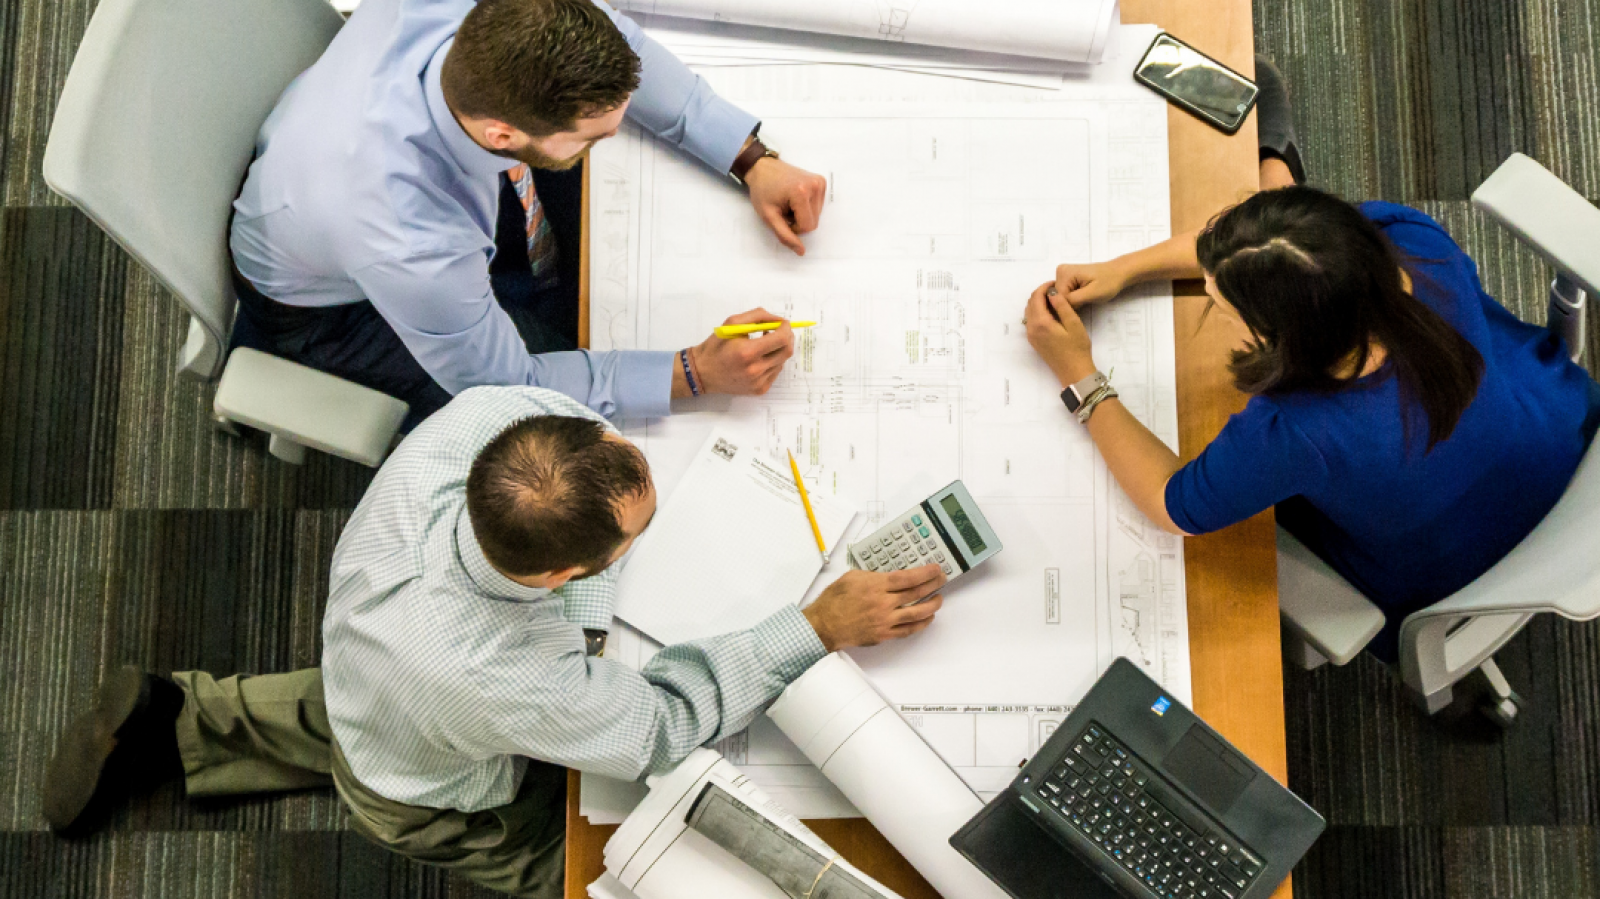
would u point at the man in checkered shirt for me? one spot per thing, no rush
(469, 595)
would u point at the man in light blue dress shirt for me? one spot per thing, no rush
(378, 238)
(459, 677)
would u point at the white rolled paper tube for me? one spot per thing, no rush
(886, 770)
(656, 856)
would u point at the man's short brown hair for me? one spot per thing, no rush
(538, 65)
(547, 494)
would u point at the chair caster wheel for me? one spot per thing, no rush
(1502, 711)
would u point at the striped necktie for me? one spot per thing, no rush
(541, 241)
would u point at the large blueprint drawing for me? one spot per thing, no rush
(948, 203)
(1076, 30)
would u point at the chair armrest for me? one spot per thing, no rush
(308, 407)
(1547, 215)
(1321, 607)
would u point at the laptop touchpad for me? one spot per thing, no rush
(1014, 850)
(1209, 769)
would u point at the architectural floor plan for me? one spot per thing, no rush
(948, 203)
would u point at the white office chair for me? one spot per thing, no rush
(1553, 569)
(156, 126)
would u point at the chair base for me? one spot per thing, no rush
(1499, 703)
(1502, 704)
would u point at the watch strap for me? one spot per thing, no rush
(1075, 395)
(748, 157)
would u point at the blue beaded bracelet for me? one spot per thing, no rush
(688, 375)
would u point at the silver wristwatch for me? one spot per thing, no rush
(1075, 395)
(1082, 397)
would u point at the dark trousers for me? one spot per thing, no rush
(354, 342)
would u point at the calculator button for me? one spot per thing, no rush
(922, 531)
(938, 557)
(947, 569)
(922, 550)
(928, 544)
(906, 525)
(916, 519)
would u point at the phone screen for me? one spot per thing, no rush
(1186, 74)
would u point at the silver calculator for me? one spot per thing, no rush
(946, 529)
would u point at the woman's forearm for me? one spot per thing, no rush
(1172, 259)
(1137, 458)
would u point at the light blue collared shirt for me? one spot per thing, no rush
(366, 188)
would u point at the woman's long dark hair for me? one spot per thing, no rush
(1316, 282)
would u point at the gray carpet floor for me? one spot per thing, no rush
(132, 532)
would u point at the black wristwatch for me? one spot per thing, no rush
(1075, 395)
(594, 642)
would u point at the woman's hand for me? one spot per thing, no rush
(1095, 282)
(1057, 334)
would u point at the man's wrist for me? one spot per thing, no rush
(824, 634)
(753, 152)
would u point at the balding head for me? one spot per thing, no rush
(550, 493)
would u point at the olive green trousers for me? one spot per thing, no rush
(266, 733)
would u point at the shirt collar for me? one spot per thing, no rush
(474, 160)
(490, 582)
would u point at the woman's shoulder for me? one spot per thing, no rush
(1412, 230)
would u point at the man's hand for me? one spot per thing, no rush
(788, 199)
(744, 365)
(1057, 334)
(865, 608)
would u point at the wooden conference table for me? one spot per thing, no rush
(1232, 574)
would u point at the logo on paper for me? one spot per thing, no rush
(724, 449)
(1161, 706)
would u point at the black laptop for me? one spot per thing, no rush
(1134, 796)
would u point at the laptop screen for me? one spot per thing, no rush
(1010, 846)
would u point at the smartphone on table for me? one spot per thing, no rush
(1206, 88)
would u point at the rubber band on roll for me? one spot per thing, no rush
(820, 874)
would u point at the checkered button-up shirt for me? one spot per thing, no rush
(443, 676)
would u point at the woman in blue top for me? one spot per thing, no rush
(1405, 426)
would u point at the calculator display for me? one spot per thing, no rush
(958, 516)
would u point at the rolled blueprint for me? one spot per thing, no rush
(886, 770)
(706, 830)
(1065, 30)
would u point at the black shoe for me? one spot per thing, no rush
(127, 744)
(1275, 119)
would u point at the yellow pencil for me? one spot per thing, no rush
(727, 332)
(811, 516)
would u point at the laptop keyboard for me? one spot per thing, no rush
(1156, 835)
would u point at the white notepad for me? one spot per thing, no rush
(729, 547)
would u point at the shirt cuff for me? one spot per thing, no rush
(644, 384)
(1172, 498)
(789, 643)
(718, 133)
